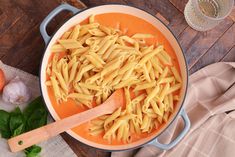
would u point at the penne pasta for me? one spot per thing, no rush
(90, 61)
(128, 100)
(148, 56)
(92, 19)
(80, 96)
(120, 132)
(126, 82)
(174, 88)
(97, 57)
(176, 74)
(105, 29)
(61, 81)
(127, 67)
(83, 69)
(109, 78)
(164, 92)
(96, 32)
(96, 132)
(138, 99)
(70, 43)
(58, 48)
(93, 61)
(110, 67)
(90, 26)
(114, 127)
(83, 39)
(79, 51)
(112, 117)
(127, 39)
(89, 86)
(75, 32)
(156, 108)
(72, 62)
(108, 52)
(145, 85)
(77, 88)
(156, 66)
(146, 73)
(152, 94)
(73, 71)
(55, 88)
(66, 35)
(48, 83)
(105, 46)
(164, 58)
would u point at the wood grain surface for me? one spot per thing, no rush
(21, 44)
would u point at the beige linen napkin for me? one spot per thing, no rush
(55, 147)
(210, 105)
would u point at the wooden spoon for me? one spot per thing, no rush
(30, 138)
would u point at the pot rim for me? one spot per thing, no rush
(166, 125)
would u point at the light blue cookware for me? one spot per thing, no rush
(82, 14)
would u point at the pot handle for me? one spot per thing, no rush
(173, 143)
(52, 14)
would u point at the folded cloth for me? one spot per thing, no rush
(55, 147)
(210, 105)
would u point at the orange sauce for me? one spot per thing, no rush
(134, 25)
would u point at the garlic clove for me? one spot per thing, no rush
(16, 92)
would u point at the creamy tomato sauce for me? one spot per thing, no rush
(133, 25)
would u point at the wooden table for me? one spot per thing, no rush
(21, 45)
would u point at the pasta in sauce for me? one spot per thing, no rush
(91, 61)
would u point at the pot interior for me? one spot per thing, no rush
(126, 10)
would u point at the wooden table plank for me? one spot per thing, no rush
(17, 32)
(162, 18)
(27, 52)
(218, 50)
(195, 44)
(179, 4)
(206, 58)
(10, 14)
(230, 57)
(176, 19)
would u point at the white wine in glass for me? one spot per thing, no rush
(209, 7)
(203, 15)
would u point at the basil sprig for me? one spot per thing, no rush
(17, 122)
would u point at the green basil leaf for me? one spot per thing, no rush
(37, 119)
(16, 111)
(4, 124)
(18, 130)
(4, 119)
(36, 114)
(32, 151)
(33, 105)
(17, 122)
(6, 134)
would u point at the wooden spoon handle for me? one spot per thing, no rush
(30, 138)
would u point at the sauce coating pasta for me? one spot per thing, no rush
(92, 60)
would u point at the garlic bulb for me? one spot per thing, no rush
(16, 92)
